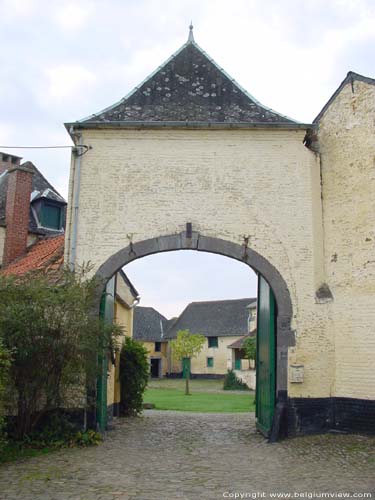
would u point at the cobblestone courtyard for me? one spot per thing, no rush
(170, 455)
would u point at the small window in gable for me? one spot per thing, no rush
(51, 216)
(210, 362)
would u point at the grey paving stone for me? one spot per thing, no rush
(178, 455)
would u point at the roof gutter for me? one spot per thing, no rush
(187, 125)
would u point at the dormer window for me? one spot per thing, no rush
(51, 216)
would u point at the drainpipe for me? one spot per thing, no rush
(75, 200)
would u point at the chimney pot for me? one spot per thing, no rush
(8, 161)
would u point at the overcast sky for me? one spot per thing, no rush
(63, 60)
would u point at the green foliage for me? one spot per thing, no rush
(250, 347)
(40, 445)
(187, 345)
(233, 383)
(134, 375)
(54, 340)
(87, 438)
(5, 362)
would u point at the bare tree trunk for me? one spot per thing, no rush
(187, 392)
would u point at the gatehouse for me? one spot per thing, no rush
(190, 160)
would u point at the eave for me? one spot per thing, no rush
(71, 126)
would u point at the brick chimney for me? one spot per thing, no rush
(17, 212)
(8, 161)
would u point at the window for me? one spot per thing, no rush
(157, 346)
(210, 362)
(51, 216)
(212, 342)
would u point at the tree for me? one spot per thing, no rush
(187, 345)
(134, 375)
(54, 340)
(250, 347)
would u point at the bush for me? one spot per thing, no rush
(54, 340)
(5, 361)
(134, 375)
(233, 383)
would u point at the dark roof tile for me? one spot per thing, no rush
(148, 324)
(219, 318)
(189, 87)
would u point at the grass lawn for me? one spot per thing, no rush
(210, 402)
(196, 384)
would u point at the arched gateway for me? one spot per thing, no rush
(189, 160)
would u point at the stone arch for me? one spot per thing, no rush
(209, 244)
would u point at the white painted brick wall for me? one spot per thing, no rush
(347, 147)
(262, 183)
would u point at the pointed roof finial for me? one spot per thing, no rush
(191, 36)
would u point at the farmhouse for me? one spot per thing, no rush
(32, 238)
(150, 328)
(222, 322)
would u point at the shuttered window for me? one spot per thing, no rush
(51, 216)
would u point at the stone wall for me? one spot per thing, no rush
(346, 142)
(247, 376)
(231, 184)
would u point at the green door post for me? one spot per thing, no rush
(106, 313)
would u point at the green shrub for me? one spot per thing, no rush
(134, 375)
(54, 340)
(5, 362)
(233, 383)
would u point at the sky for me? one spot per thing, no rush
(64, 60)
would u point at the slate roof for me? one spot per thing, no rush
(219, 318)
(41, 188)
(46, 254)
(148, 324)
(188, 88)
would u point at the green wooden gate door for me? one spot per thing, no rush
(265, 357)
(107, 313)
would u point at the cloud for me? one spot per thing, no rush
(67, 80)
(171, 280)
(10, 9)
(73, 16)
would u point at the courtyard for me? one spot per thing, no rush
(171, 455)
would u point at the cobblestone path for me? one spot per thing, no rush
(173, 455)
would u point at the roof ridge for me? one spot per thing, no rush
(27, 162)
(350, 76)
(278, 118)
(242, 89)
(220, 300)
(137, 87)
